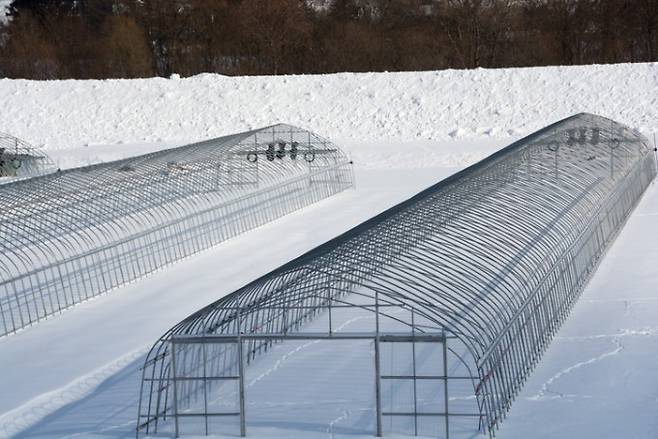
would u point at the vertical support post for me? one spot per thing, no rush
(378, 381)
(310, 171)
(413, 359)
(175, 392)
(205, 385)
(256, 162)
(445, 383)
(243, 424)
(330, 322)
(655, 151)
(285, 318)
(613, 144)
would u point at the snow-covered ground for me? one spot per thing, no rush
(361, 107)
(4, 5)
(76, 375)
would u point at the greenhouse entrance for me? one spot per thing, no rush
(341, 383)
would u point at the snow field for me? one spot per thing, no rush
(77, 375)
(112, 327)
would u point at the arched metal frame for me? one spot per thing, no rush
(76, 233)
(19, 160)
(486, 264)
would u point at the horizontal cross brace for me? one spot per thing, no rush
(201, 415)
(423, 377)
(200, 378)
(476, 415)
(383, 337)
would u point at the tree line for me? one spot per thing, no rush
(49, 39)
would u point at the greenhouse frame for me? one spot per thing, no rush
(73, 234)
(19, 159)
(482, 269)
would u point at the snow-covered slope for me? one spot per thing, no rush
(76, 375)
(4, 4)
(372, 106)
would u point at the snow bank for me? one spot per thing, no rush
(405, 121)
(439, 105)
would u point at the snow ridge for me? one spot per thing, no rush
(435, 105)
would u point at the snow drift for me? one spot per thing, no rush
(372, 106)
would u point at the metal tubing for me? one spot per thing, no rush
(490, 260)
(389, 337)
(70, 235)
(445, 389)
(378, 373)
(243, 420)
(175, 392)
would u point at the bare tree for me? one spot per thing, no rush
(126, 38)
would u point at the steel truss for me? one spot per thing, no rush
(76, 233)
(485, 264)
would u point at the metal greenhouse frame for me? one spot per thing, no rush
(73, 234)
(19, 159)
(484, 266)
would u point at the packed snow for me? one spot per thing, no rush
(77, 374)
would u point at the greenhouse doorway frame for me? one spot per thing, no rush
(377, 339)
